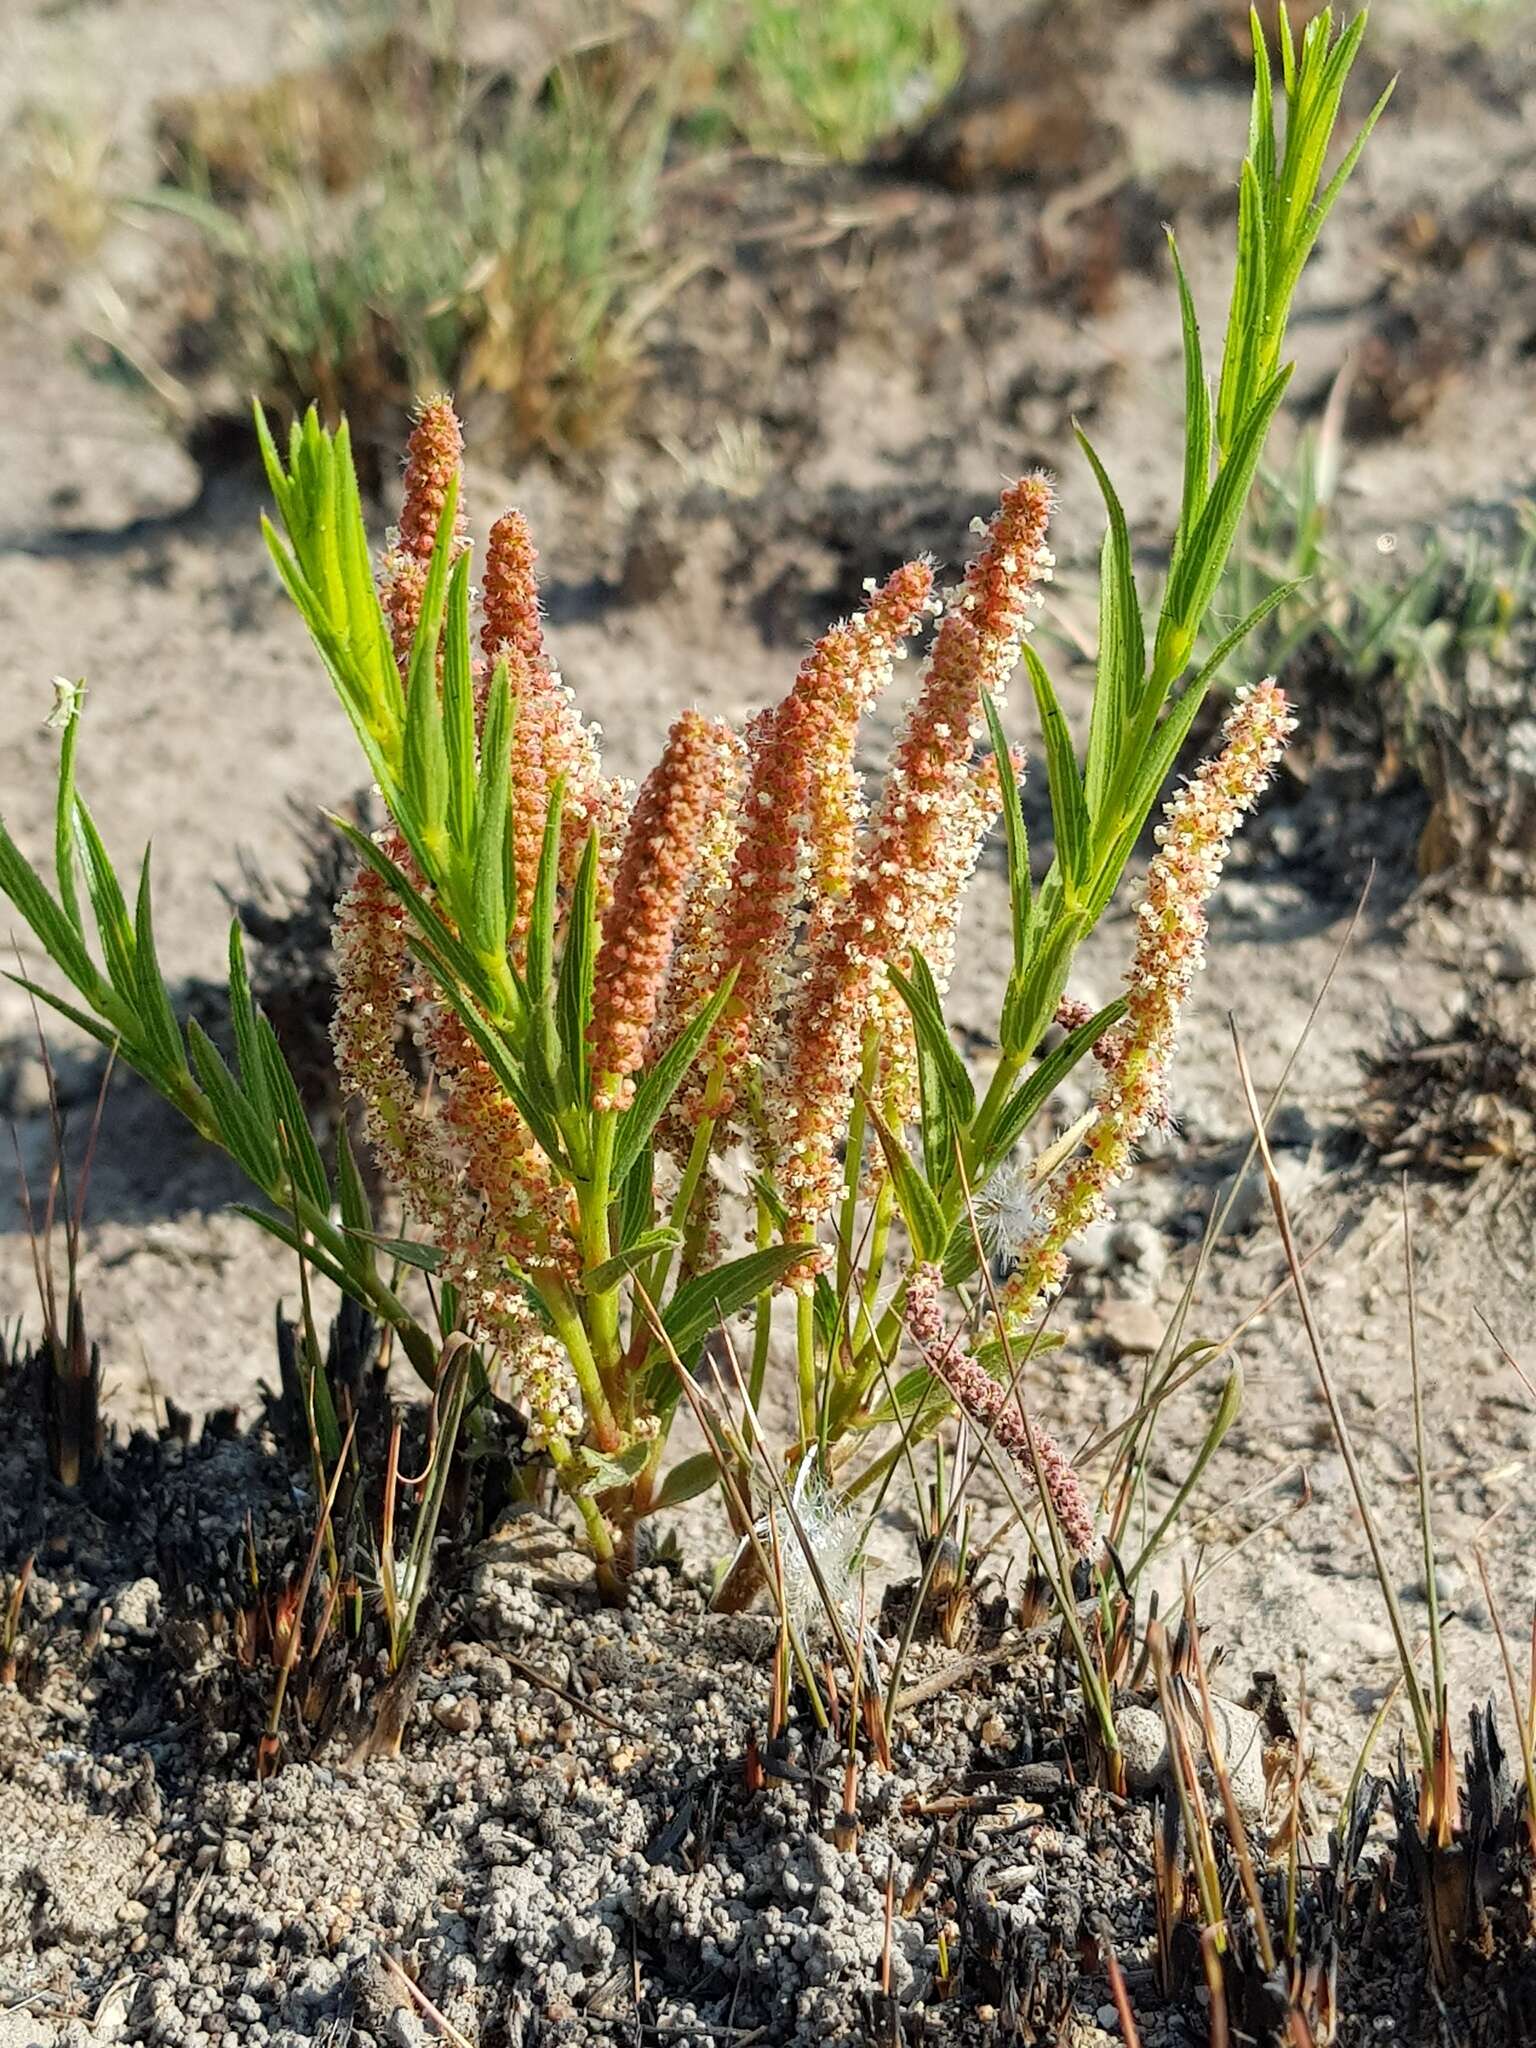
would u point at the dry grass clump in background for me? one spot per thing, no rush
(831, 81)
(392, 223)
(55, 162)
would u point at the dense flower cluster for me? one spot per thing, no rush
(457, 1171)
(467, 1166)
(922, 845)
(551, 741)
(800, 810)
(986, 1404)
(698, 951)
(659, 859)
(373, 987)
(512, 620)
(434, 458)
(1192, 841)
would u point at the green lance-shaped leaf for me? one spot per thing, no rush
(1031, 1096)
(1015, 838)
(352, 1199)
(151, 997)
(1195, 575)
(540, 954)
(459, 714)
(250, 1141)
(114, 927)
(709, 1299)
(578, 967)
(1197, 413)
(492, 904)
(1122, 653)
(947, 1098)
(242, 1011)
(661, 1082)
(918, 1203)
(409, 1251)
(637, 1197)
(301, 1153)
(1244, 356)
(686, 1481)
(624, 1262)
(54, 931)
(1069, 810)
(426, 780)
(300, 1241)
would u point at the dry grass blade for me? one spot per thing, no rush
(1120, 1999)
(1422, 1717)
(10, 1627)
(1506, 1354)
(1215, 1750)
(1061, 1583)
(422, 2003)
(269, 1749)
(716, 1428)
(1517, 1706)
(1421, 1465)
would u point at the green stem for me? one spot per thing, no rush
(415, 1341)
(1007, 1071)
(602, 1308)
(762, 1325)
(682, 1204)
(424, 1535)
(805, 1360)
(853, 1162)
(599, 1535)
(879, 1239)
(572, 1333)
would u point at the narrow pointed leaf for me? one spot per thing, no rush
(492, 906)
(918, 1203)
(709, 1299)
(253, 1072)
(541, 918)
(282, 1229)
(459, 707)
(658, 1086)
(1197, 412)
(577, 968)
(48, 923)
(637, 1196)
(1069, 812)
(151, 998)
(686, 1481)
(408, 1251)
(240, 1132)
(113, 925)
(1016, 839)
(624, 1262)
(300, 1152)
(1032, 1094)
(64, 826)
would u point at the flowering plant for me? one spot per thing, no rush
(615, 987)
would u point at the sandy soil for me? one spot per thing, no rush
(896, 347)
